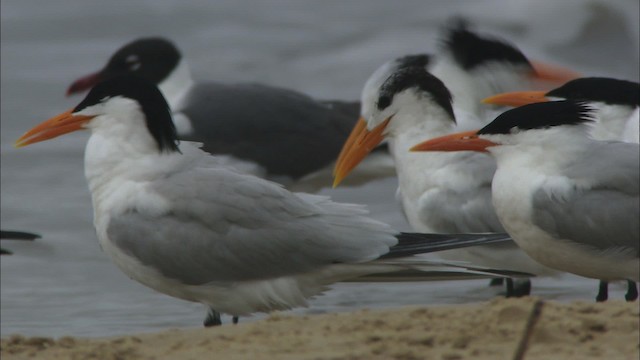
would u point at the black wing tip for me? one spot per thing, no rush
(417, 243)
(18, 235)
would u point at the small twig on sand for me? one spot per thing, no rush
(528, 330)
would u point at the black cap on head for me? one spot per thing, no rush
(150, 58)
(470, 49)
(153, 105)
(598, 89)
(539, 116)
(421, 80)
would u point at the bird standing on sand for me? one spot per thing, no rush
(615, 108)
(177, 220)
(570, 201)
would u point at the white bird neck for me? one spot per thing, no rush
(545, 152)
(460, 84)
(121, 157)
(177, 85)
(416, 118)
(411, 126)
(612, 121)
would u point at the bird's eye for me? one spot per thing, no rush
(133, 62)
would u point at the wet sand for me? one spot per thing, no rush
(498, 329)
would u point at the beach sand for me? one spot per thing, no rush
(493, 330)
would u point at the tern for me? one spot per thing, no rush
(616, 111)
(615, 103)
(179, 221)
(406, 102)
(569, 200)
(272, 132)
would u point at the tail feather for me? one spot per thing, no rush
(416, 243)
(424, 269)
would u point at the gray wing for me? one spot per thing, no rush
(286, 132)
(223, 226)
(604, 215)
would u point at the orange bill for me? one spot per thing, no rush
(553, 73)
(517, 98)
(463, 141)
(358, 145)
(54, 127)
(360, 126)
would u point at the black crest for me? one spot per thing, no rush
(153, 104)
(421, 80)
(539, 116)
(417, 60)
(599, 89)
(150, 58)
(470, 49)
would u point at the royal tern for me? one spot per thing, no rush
(570, 201)
(447, 193)
(615, 103)
(271, 132)
(15, 235)
(177, 220)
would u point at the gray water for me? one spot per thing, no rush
(63, 284)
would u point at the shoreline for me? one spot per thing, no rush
(492, 330)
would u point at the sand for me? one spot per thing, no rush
(493, 330)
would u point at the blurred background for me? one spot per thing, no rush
(64, 285)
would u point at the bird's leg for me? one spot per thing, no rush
(522, 288)
(603, 291)
(213, 318)
(509, 285)
(632, 291)
(496, 282)
(235, 319)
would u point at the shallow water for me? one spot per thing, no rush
(64, 285)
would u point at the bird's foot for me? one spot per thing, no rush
(632, 291)
(603, 291)
(517, 288)
(213, 318)
(235, 319)
(522, 288)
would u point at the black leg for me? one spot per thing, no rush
(632, 291)
(510, 292)
(235, 319)
(603, 291)
(496, 282)
(213, 318)
(522, 288)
